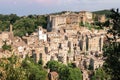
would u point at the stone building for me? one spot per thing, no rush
(85, 75)
(53, 76)
(70, 19)
(55, 22)
(96, 63)
(101, 18)
(7, 37)
(86, 16)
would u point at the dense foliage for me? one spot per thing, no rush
(70, 72)
(112, 63)
(22, 25)
(112, 47)
(6, 47)
(14, 68)
(103, 12)
(100, 74)
(96, 25)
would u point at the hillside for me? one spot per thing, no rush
(102, 12)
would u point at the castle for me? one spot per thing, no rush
(68, 19)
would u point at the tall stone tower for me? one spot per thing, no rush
(11, 35)
(11, 28)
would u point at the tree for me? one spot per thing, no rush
(69, 73)
(100, 74)
(23, 26)
(53, 65)
(112, 62)
(4, 25)
(41, 21)
(33, 70)
(13, 68)
(66, 72)
(6, 47)
(112, 47)
(40, 62)
(6, 20)
(10, 69)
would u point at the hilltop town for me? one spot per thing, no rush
(65, 40)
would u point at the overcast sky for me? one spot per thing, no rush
(26, 7)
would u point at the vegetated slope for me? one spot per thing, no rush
(103, 12)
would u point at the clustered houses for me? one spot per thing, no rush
(6, 38)
(65, 43)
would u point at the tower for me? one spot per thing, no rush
(11, 28)
(11, 35)
(41, 35)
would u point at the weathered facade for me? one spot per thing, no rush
(68, 19)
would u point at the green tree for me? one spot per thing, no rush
(70, 73)
(23, 26)
(53, 65)
(100, 74)
(40, 62)
(4, 25)
(112, 47)
(6, 47)
(41, 21)
(112, 63)
(13, 18)
(13, 68)
(6, 20)
(66, 72)
(33, 70)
